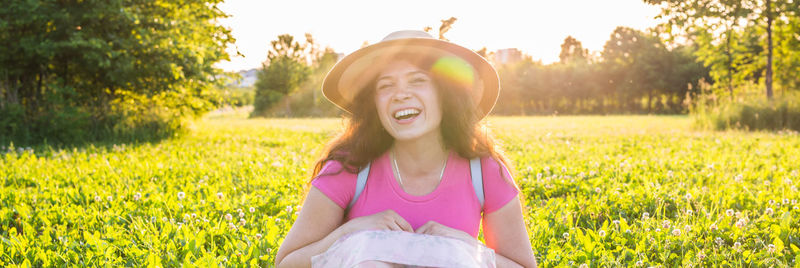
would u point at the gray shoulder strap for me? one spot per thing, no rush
(361, 182)
(477, 178)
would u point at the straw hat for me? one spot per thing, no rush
(355, 70)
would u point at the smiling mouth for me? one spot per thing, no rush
(406, 114)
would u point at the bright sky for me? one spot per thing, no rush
(536, 27)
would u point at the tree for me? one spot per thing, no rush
(572, 50)
(284, 71)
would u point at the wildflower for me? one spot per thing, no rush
(539, 176)
(181, 195)
(252, 210)
(786, 201)
(194, 215)
(616, 222)
(97, 198)
(740, 223)
(687, 228)
(771, 202)
(719, 241)
(228, 217)
(258, 236)
(701, 255)
(241, 214)
(546, 169)
(602, 233)
(592, 173)
(794, 201)
(242, 221)
(738, 214)
(231, 226)
(737, 246)
(665, 224)
(669, 173)
(110, 198)
(639, 264)
(796, 208)
(645, 216)
(769, 211)
(738, 178)
(137, 196)
(220, 195)
(628, 231)
(565, 235)
(277, 164)
(288, 209)
(583, 266)
(729, 212)
(713, 227)
(563, 170)
(689, 212)
(771, 248)
(163, 218)
(676, 232)
(597, 189)
(688, 196)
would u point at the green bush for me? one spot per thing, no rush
(752, 112)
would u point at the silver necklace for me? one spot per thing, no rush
(400, 177)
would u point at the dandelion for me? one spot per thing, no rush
(771, 248)
(181, 195)
(769, 211)
(719, 241)
(676, 232)
(729, 212)
(228, 217)
(220, 195)
(565, 235)
(252, 210)
(602, 233)
(258, 236)
(645, 216)
(137, 196)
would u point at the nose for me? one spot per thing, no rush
(401, 94)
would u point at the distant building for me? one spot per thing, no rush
(507, 56)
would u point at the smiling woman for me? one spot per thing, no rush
(413, 176)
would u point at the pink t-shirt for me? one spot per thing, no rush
(453, 203)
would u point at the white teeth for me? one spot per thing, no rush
(405, 112)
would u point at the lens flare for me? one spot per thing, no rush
(455, 70)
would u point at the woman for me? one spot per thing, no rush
(403, 164)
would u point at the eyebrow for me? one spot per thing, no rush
(407, 75)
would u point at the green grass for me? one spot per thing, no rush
(587, 182)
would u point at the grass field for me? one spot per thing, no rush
(602, 191)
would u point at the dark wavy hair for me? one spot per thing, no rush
(365, 139)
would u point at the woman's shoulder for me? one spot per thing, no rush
(336, 182)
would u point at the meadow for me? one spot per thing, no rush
(599, 191)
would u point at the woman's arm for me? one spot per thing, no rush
(319, 225)
(504, 231)
(313, 232)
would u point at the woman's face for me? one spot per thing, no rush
(407, 101)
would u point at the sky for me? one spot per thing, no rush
(536, 27)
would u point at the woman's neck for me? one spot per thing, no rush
(420, 157)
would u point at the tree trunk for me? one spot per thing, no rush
(768, 79)
(730, 63)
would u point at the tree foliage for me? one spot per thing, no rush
(81, 70)
(284, 71)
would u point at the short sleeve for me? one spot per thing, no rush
(499, 187)
(336, 183)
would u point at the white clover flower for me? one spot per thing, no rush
(110, 198)
(713, 227)
(737, 246)
(592, 173)
(163, 218)
(738, 178)
(242, 221)
(241, 214)
(231, 226)
(181, 195)
(738, 214)
(220, 195)
(639, 263)
(583, 265)
(194, 215)
(687, 228)
(97, 198)
(228, 217)
(277, 164)
(701, 255)
(288, 209)
(771, 202)
(729, 212)
(795, 208)
(689, 212)
(628, 231)
(740, 223)
(137, 196)
(616, 222)
(676, 232)
(658, 230)
(538, 176)
(252, 210)
(771, 248)
(769, 211)
(565, 235)
(719, 241)
(258, 236)
(602, 233)
(597, 189)
(665, 224)
(688, 196)
(786, 201)
(645, 216)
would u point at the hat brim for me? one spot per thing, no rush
(354, 71)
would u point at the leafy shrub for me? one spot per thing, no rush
(752, 112)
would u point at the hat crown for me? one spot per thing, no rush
(404, 34)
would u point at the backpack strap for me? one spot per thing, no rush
(477, 178)
(361, 182)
